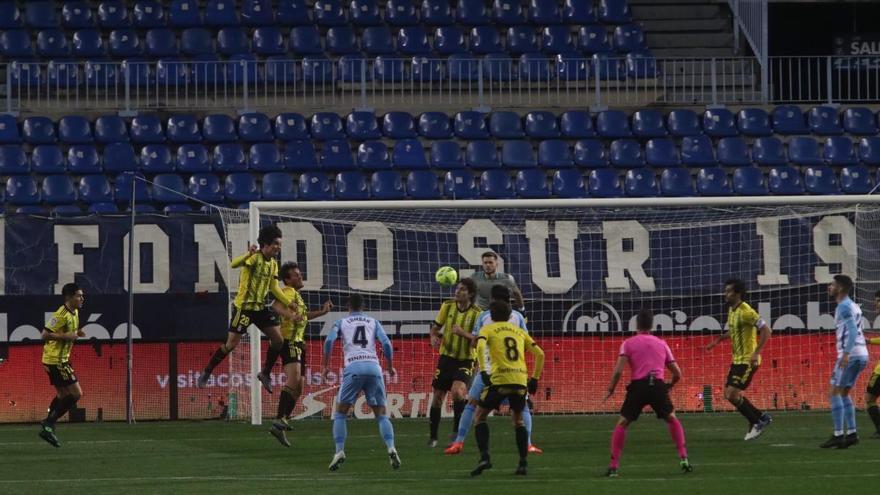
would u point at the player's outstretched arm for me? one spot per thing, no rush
(289, 312)
(238, 261)
(328, 347)
(278, 293)
(615, 375)
(718, 340)
(323, 310)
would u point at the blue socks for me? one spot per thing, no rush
(340, 432)
(837, 413)
(849, 415)
(527, 419)
(386, 430)
(467, 417)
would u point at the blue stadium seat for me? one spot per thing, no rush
(180, 208)
(640, 183)
(63, 75)
(463, 67)
(16, 44)
(238, 64)
(676, 182)
(41, 14)
(38, 130)
(713, 181)
(156, 159)
(373, 155)
(278, 186)
(219, 13)
(401, 13)
(113, 15)
(94, 189)
(785, 180)
(268, 40)
(572, 67)
(821, 180)
(869, 151)
(314, 186)
(193, 158)
(103, 209)
(170, 73)
(613, 124)
(148, 14)
(554, 153)
(257, 13)
(353, 68)
(205, 187)
(768, 151)
(13, 160)
(485, 39)
(576, 124)
(614, 11)
(605, 183)
(482, 155)
(626, 153)
(804, 151)
(449, 40)
(327, 125)
(532, 183)
(10, 16)
(389, 70)
(146, 129)
(123, 188)
(541, 125)
(544, 12)
(364, 13)
(265, 157)
(683, 123)
(124, 43)
(336, 155)
(87, 43)
(640, 65)
(446, 155)
(172, 189)
(662, 152)
(557, 39)
(593, 39)
(460, 184)
(856, 179)
(749, 181)
(362, 126)
(472, 13)
(233, 41)
(291, 127)
(754, 122)
(789, 120)
(839, 151)
(341, 40)
(648, 124)
(569, 183)
(51, 43)
(733, 152)
(183, 128)
(58, 190)
(241, 187)
(352, 186)
(423, 184)
(255, 128)
(590, 153)
(329, 13)
(184, 14)
(424, 69)
(110, 129)
(228, 157)
(161, 42)
(535, 67)
(628, 38)
(518, 154)
(75, 129)
(47, 159)
(498, 67)
(824, 121)
(9, 130)
(119, 157)
(26, 74)
(435, 125)
(300, 156)
(496, 184)
(281, 71)
(413, 40)
(521, 39)
(22, 190)
(386, 185)
(577, 12)
(470, 125)
(196, 42)
(697, 151)
(719, 123)
(138, 72)
(377, 40)
(317, 70)
(409, 154)
(295, 13)
(437, 13)
(506, 125)
(507, 12)
(398, 125)
(859, 121)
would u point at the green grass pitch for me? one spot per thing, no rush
(233, 458)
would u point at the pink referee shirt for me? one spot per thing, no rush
(647, 354)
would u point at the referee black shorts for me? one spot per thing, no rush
(646, 392)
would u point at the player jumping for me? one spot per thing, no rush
(362, 372)
(743, 326)
(647, 357)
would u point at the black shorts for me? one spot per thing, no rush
(60, 375)
(451, 370)
(494, 395)
(873, 387)
(294, 352)
(740, 375)
(646, 392)
(243, 318)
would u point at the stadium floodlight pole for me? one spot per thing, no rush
(129, 402)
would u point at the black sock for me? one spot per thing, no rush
(522, 443)
(457, 409)
(64, 404)
(53, 407)
(756, 413)
(874, 413)
(481, 432)
(748, 410)
(285, 402)
(218, 357)
(435, 422)
(272, 354)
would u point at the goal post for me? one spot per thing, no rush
(585, 267)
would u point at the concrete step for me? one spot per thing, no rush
(690, 40)
(686, 25)
(653, 11)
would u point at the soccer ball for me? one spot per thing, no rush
(446, 276)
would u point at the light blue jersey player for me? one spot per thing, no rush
(852, 357)
(499, 293)
(362, 373)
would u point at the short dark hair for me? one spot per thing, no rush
(845, 283)
(69, 290)
(877, 294)
(489, 254)
(355, 302)
(286, 268)
(499, 310)
(738, 286)
(471, 286)
(268, 234)
(500, 293)
(645, 320)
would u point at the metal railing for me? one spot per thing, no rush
(750, 17)
(417, 82)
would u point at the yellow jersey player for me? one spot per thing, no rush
(504, 345)
(293, 354)
(873, 390)
(456, 353)
(748, 333)
(59, 334)
(259, 276)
